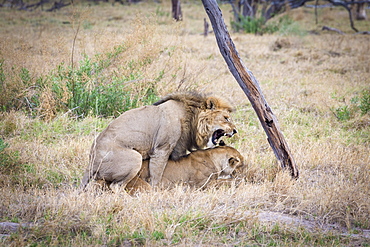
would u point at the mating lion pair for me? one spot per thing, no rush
(164, 133)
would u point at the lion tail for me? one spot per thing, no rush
(85, 180)
(192, 99)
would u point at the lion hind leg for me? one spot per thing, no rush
(123, 167)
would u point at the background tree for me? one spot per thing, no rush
(176, 10)
(248, 9)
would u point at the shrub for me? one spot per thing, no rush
(364, 103)
(249, 24)
(82, 91)
(343, 113)
(358, 105)
(85, 91)
(285, 25)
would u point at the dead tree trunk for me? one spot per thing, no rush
(176, 10)
(206, 27)
(360, 12)
(251, 88)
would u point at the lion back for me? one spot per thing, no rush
(197, 100)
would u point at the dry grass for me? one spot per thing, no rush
(304, 80)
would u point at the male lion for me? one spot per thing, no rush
(196, 169)
(170, 128)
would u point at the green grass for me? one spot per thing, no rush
(9, 162)
(81, 91)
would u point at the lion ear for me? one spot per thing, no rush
(211, 103)
(233, 161)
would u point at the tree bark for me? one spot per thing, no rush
(206, 27)
(251, 88)
(332, 29)
(176, 10)
(360, 12)
(345, 5)
(10, 227)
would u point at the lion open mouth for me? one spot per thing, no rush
(218, 134)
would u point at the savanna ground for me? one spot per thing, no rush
(316, 82)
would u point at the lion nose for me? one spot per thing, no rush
(234, 131)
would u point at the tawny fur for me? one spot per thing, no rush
(170, 128)
(197, 169)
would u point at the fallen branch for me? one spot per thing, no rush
(251, 88)
(364, 32)
(332, 29)
(10, 227)
(58, 5)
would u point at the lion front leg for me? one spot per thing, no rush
(157, 164)
(156, 168)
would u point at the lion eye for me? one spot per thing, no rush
(227, 119)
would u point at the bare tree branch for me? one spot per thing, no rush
(271, 8)
(58, 5)
(332, 29)
(346, 6)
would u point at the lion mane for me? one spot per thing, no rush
(200, 112)
(170, 128)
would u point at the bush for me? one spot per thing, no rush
(285, 25)
(343, 113)
(82, 91)
(249, 24)
(364, 102)
(85, 91)
(358, 105)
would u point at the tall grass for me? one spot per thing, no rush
(306, 80)
(82, 91)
